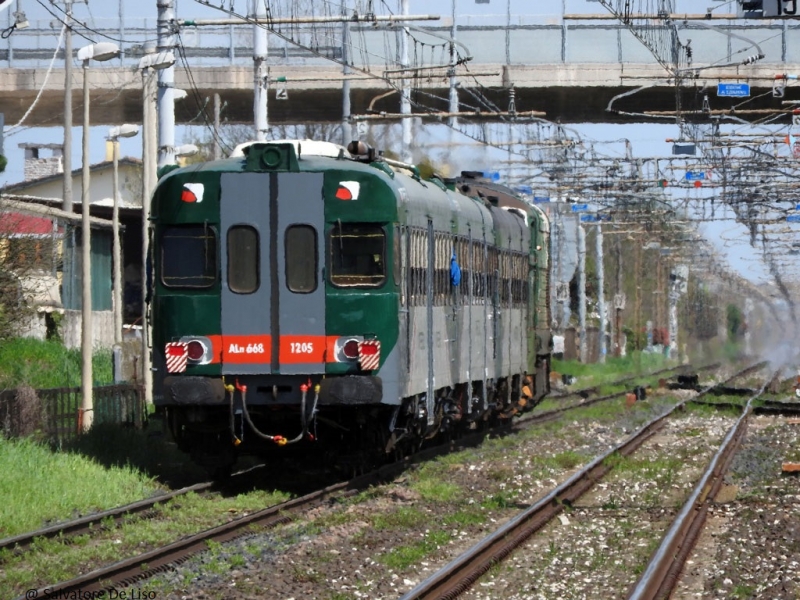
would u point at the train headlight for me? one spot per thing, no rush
(346, 348)
(350, 349)
(195, 350)
(198, 349)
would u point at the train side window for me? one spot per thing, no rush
(188, 256)
(243, 259)
(358, 255)
(301, 258)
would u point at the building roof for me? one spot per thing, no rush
(13, 224)
(11, 204)
(97, 167)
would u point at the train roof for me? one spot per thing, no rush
(306, 147)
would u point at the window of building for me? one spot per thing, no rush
(243, 263)
(188, 256)
(301, 258)
(358, 255)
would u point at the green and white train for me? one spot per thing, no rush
(330, 299)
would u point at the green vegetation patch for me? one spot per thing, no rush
(644, 469)
(58, 559)
(39, 486)
(48, 364)
(614, 368)
(147, 450)
(405, 517)
(403, 557)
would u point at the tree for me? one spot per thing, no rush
(735, 319)
(27, 267)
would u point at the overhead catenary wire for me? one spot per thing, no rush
(13, 129)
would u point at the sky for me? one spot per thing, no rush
(647, 140)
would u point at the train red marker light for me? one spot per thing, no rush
(350, 349)
(348, 190)
(369, 354)
(192, 193)
(176, 357)
(195, 350)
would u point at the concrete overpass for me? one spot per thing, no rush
(568, 71)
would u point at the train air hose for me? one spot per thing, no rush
(278, 439)
(230, 388)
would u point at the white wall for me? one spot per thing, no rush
(102, 328)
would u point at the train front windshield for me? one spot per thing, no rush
(189, 256)
(358, 255)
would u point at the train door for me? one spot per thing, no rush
(272, 300)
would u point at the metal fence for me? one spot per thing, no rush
(53, 415)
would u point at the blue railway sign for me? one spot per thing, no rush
(793, 219)
(541, 199)
(580, 207)
(595, 218)
(695, 175)
(733, 90)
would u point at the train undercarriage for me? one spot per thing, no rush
(350, 438)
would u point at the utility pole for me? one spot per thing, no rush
(454, 104)
(347, 128)
(149, 167)
(87, 384)
(260, 71)
(405, 99)
(582, 291)
(166, 83)
(66, 157)
(555, 272)
(601, 302)
(217, 148)
(619, 301)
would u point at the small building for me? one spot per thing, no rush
(61, 274)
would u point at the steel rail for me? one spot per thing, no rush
(661, 574)
(460, 574)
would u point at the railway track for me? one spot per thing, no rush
(104, 519)
(127, 571)
(464, 571)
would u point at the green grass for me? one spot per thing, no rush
(57, 559)
(437, 491)
(405, 517)
(40, 486)
(614, 368)
(147, 450)
(402, 557)
(47, 364)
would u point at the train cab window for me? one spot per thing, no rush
(358, 255)
(188, 256)
(243, 259)
(301, 258)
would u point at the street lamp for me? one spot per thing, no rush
(113, 136)
(100, 52)
(186, 150)
(152, 61)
